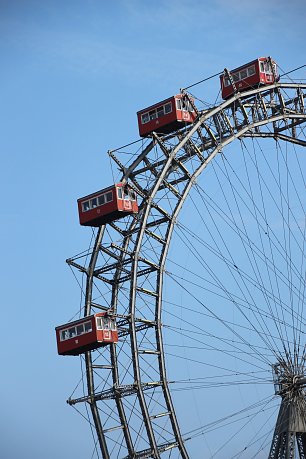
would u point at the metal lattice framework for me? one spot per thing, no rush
(128, 390)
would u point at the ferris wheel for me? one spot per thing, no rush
(199, 346)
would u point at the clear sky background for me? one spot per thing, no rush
(73, 74)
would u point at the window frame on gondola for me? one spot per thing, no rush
(105, 323)
(156, 112)
(237, 76)
(183, 105)
(66, 332)
(107, 197)
(127, 193)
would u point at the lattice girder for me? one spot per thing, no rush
(133, 255)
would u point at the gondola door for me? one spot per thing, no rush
(127, 204)
(107, 334)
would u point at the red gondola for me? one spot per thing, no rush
(251, 75)
(86, 334)
(107, 205)
(166, 116)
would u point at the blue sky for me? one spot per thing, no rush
(73, 75)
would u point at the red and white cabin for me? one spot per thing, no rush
(249, 76)
(86, 334)
(107, 205)
(166, 116)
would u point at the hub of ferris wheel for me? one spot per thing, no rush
(289, 439)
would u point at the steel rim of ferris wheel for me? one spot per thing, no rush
(128, 393)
